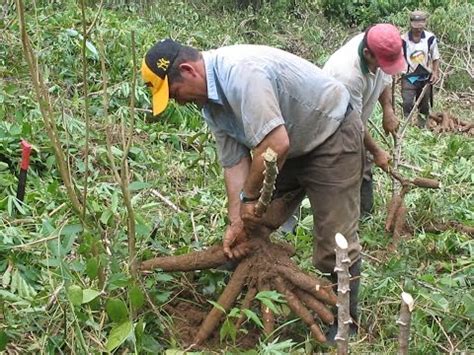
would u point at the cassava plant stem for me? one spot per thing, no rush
(271, 172)
(343, 294)
(86, 107)
(46, 111)
(404, 322)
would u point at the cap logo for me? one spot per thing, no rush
(163, 63)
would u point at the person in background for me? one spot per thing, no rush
(421, 53)
(365, 65)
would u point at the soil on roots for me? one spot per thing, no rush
(187, 317)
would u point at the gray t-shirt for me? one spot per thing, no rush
(254, 89)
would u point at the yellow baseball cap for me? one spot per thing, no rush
(155, 67)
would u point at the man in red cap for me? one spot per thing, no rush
(422, 56)
(258, 97)
(365, 65)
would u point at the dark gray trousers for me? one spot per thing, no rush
(330, 176)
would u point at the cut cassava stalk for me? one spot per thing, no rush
(299, 309)
(312, 303)
(343, 294)
(404, 321)
(271, 172)
(226, 300)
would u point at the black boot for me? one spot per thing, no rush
(366, 197)
(354, 284)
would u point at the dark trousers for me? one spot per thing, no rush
(330, 176)
(410, 94)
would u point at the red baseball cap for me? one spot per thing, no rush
(385, 43)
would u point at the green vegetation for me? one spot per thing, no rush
(66, 280)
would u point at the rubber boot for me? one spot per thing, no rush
(366, 198)
(421, 120)
(290, 225)
(354, 270)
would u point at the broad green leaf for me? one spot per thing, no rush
(71, 229)
(234, 312)
(72, 32)
(272, 295)
(468, 302)
(92, 50)
(117, 310)
(74, 293)
(270, 305)
(6, 278)
(10, 297)
(89, 294)
(3, 340)
(136, 297)
(138, 185)
(118, 335)
(162, 297)
(228, 329)
(92, 268)
(217, 305)
(440, 301)
(253, 317)
(106, 214)
(139, 332)
(163, 277)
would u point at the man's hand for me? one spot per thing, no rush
(390, 122)
(247, 214)
(382, 159)
(234, 236)
(434, 78)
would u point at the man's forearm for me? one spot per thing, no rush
(278, 141)
(235, 178)
(370, 143)
(436, 67)
(385, 99)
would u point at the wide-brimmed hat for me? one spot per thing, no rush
(155, 67)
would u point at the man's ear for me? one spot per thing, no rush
(367, 54)
(186, 69)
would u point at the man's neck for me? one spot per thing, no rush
(416, 36)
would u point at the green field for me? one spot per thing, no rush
(65, 266)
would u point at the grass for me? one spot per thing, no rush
(47, 258)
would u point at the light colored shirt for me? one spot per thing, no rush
(348, 66)
(424, 52)
(254, 89)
